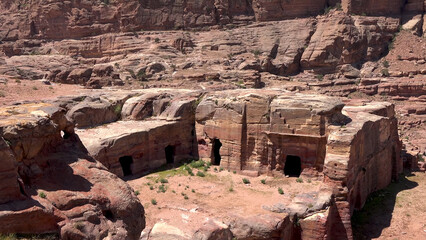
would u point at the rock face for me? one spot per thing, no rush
(156, 130)
(259, 130)
(75, 19)
(62, 188)
(373, 7)
(362, 157)
(344, 39)
(266, 10)
(9, 188)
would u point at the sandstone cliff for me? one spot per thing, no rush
(45, 19)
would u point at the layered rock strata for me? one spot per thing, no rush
(54, 186)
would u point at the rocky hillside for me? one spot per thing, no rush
(54, 19)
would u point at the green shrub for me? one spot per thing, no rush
(385, 72)
(197, 164)
(157, 40)
(153, 201)
(234, 172)
(320, 77)
(299, 180)
(280, 191)
(231, 189)
(42, 194)
(162, 189)
(263, 181)
(137, 193)
(193, 190)
(246, 181)
(386, 64)
(200, 174)
(151, 187)
(186, 197)
(163, 180)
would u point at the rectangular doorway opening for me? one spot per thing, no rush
(216, 157)
(170, 154)
(126, 165)
(293, 166)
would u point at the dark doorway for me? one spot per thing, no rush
(216, 151)
(293, 166)
(126, 164)
(170, 154)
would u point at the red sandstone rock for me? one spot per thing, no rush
(64, 188)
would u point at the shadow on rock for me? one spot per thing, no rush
(376, 215)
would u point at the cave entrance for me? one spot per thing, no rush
(126, 165)
(216, 152)
(170, 154)
(293, 166)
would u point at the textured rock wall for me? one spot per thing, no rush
(344, 39)
(266, 10)
(80, 18)
(258, 130)
(9, 185)
(152, 122)
(373, 7)
(62, 189)
(364, 156)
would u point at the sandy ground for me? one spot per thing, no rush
(218, 195)
(14, 90)
(395, 213)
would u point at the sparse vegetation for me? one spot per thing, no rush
(42, 194)
(137, 193)
(157, 40)
(386, 64)
(117, 109)
(231, 189)
(163, 180)
(256, 53)
(385, 72)
(246, 181)
(197, 164)
(200, 174)
(153, 201)
(162, 189)
(320, 77)
(263, 181)
(2, 94)
(280, 191)
(299, 180)
(35, 88)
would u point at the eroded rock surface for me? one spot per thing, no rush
(54, 186)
